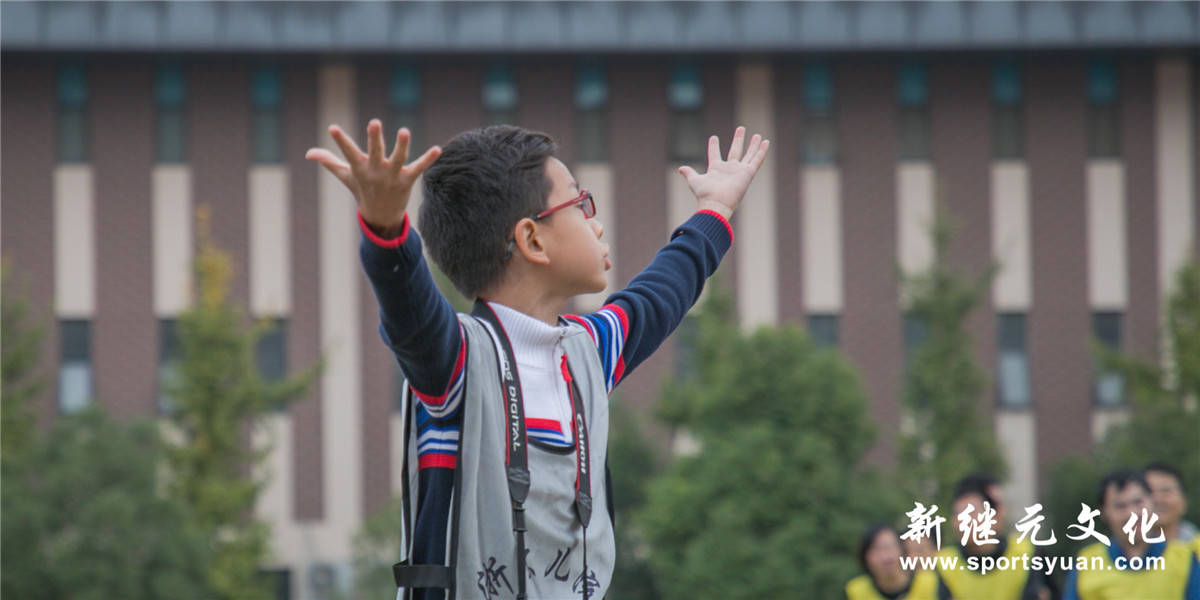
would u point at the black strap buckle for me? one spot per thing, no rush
(421, 576)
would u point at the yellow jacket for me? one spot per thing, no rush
(924, 586)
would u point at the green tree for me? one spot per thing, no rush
(85, 518)
(376, 548)
(633, 465)
(1073, 480)
(217, 397)
(1165, 416)
(943, 386)
(20, 349)
(775, 498)
(1165, 419)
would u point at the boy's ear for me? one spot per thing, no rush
(529, 242)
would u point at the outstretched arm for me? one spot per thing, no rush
(416, 321)
(636, 319)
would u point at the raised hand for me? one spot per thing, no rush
(721, 187)
(381, 185)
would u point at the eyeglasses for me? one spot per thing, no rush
(584, 199)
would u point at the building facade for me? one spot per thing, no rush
(1061, 136)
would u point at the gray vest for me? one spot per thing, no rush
(486, 549)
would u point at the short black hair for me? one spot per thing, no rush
(868, 539)
(483, 183)
(1162, 467)
(976, 483)
(1120, 479)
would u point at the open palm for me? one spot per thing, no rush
(723, 184)
(381, 185)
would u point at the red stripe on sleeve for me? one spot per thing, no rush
(621, 316)
(719, 218)
(584, 322)
(436, 459)
(378, 241)
(458, 367)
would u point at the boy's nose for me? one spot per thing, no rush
(597, 226)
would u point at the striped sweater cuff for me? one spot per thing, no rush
(713, 227)
(379, 241)
(718, 216)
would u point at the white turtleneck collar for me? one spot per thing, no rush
(534, 343)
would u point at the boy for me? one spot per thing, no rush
(513, 416)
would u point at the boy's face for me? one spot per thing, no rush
(578, 259)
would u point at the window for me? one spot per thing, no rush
(499, 96)
(169, 353)
(913, 123)
(1104, 136)
(689, 142)
(279, 581)
(591, 100)
(271, 352)
(916, 333)
(266, 99)
(169, 92)
(820, 134)
(1108, 387)
(824, 330)
(1012, 368)
(72, 119)
(404, 101)
(323, 581)
(75, 366)
(1008, 135)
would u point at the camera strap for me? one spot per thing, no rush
(517, 455)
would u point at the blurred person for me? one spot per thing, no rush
(1170, 501)
(879, 552)
(919, 548)
(978, 576)
(1124, 496)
